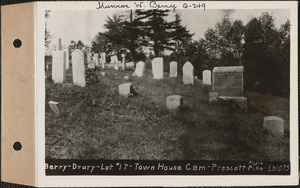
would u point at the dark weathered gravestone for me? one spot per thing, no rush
(229, 81)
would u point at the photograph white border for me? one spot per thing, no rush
(163, 180)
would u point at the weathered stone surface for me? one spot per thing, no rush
(173, 69)
(140, 69)
(78, 68)
(126, 89)
(274, 124)
(158, 68)
(206, 77)
(188, 73)
(58, 67)
(174, 102)
(229, 81)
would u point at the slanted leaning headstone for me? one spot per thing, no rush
(140, 69)
(228, 82)
(173, 69)
(54, 107)
(158, 68)
(58, 67)
(274, 124)
(174, 102)
(126, 89)
(188, 73)
(206, 77)
(78, 68)
(96, 59)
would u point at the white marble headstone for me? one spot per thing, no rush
(206, 77)
(58, 67)
(173, 69)
(140, 69)
(158, 68)
(188, 73)
(78, 68)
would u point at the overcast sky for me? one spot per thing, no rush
(85, 24)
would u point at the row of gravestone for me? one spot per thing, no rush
(158, 70)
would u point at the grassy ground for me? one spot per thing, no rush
(96, 123)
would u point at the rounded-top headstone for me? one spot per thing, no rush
(174, 102)
(274, 124)
(188, 73)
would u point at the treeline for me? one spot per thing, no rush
(259, 46)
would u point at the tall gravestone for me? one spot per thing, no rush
(140, 69)
(228, 82)
(206, 77)
(58, 67)
(173, 69)
(78, 68)
(188, 73)
(158, 68)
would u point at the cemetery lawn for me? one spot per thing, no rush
(96, 123)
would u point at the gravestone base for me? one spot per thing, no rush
(240, 101)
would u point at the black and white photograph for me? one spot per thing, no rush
(167, 91)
